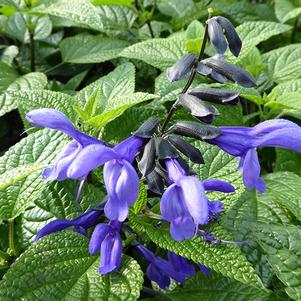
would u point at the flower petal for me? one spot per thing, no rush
(99, 234)
(182, 228)
(88, 219)
(216, 36)
(156, 275)
(54, 226)
(217, 185)
(128, 148)
(181, 264)
(111, 252)
(90, 158)
(251, 171)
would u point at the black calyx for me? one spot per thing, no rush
(216, 36)
(186, 149)
(195, 130)
(148, 161)
(198, 107)
(165, 150)
(182, 67)
(147, 129)
(219, 96)
(155, 181)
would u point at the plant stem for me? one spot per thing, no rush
(148, 23)
(32, 53)
(189, 81)
(11, 239)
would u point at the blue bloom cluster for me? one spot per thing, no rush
(184, 203)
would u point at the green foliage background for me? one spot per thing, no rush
(103, 63)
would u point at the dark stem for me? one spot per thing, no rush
(150, 291)
(189, 81)
(32, 53)
(148, 23)
(53, 68)
(295, 28)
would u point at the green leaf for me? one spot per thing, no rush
(59, 267)
(286, 10)
(160, 53)
(7, 76)
(43, 28)
(291, 100)
(175, 8)
(84, 48)
(38, 148)
(29, 81)
(287, 160)
(282, 246)
(253, 33)
(286, 87)
(120, 81)
(141, 200)
(113, 2)
(214, 288)
(194, 36)
(81, 12)
(73, 83)
(58, 200)
(36, 99)
(116, 19)
(16, 27)
(285, 189)
(115, 107)
(284, 63)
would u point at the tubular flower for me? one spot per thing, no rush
(56, 120)
(242, 142)
(106, 240)
(161, 270)
(80, 224)
(120, 177)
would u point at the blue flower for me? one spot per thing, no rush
(181, 264)
(242, 142)
(120, 177)
(184, 203)
(56, 120)
(106, 240)
(80, 224)
(161, 270)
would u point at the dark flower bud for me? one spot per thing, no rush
(155, 182)
(195, 130)
(147, 129)
(188, 170)
(219, 96)
(230, 71)
(232, 37)
(181, 67)
(148, 160)
(187, 149)
(198, 108)
(216, 36)
(165, 150)
(207, 71)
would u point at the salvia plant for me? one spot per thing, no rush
(121, 195)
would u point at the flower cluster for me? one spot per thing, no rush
(154, 154)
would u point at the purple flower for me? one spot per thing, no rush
(120, 177)
(80, 224)
(184, 203)
(204, 269)
(56, 120)
(107, 241)
(242, 142)
(159, 269)
(181, 264)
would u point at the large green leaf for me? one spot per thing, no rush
(29, 81)
(28, 156)
(113, 2)
(160, 53)
(16, 27)
(286, 87)
(43, 28)
(284, 63)
(57, 200)
(116, 19)
(59, 267)
(286, 10)
(7, 76)
(283, 248)
(288, 160)
(84, 48)
(253, 33)
(35, 99)
(214, 288)
(284, 188)
(81, 12)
